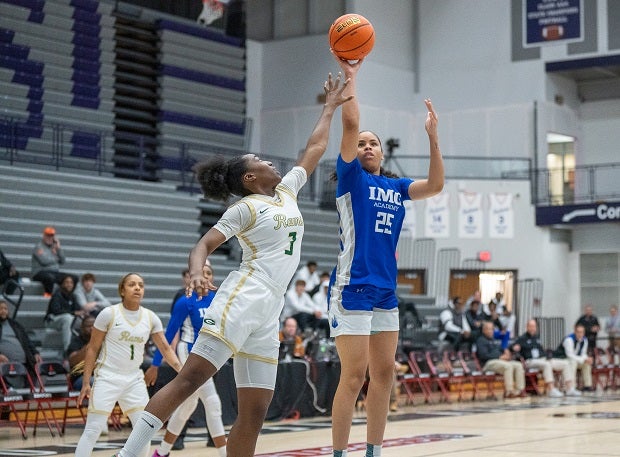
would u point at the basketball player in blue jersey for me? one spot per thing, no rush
(186, 319)
(113, 358)
(363, 308)
(243, 319)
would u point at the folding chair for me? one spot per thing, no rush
(422, 376)
(490, 378)
(16, 399)
(458, 375)
(473, 371)
(531, 378)
(440, 373)
(53, 378)
(602, 369)
(614, 358)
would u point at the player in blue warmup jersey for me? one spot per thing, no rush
(243, 319)
(363, 308)
(187, 319)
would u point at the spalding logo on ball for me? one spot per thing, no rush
(351, 37)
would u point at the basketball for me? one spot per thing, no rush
(351, 37)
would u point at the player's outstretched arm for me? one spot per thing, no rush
(317, 143)
(197, 257)
(425, 188)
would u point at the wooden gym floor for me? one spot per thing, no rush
(534, 426)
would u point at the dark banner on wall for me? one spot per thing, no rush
(552, 22)
(578, 214)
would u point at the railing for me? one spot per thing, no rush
(583, 184)
(140, 157)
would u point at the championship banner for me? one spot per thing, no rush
(501, 215)
(470, 214)
(437, 216)
(552, 22)
(408, 230)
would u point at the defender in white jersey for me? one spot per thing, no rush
(113, 357)
(243, 317)
(363, 308)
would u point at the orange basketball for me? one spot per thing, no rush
(351, 37)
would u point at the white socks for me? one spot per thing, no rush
(143, 432)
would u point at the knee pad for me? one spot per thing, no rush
(213, 406)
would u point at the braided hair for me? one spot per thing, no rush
(220, 178)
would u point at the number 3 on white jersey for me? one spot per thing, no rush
(383, 224)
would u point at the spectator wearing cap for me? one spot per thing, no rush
(47, 256)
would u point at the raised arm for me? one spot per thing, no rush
(350, 112)
(317, 143)
(425, 188)
(197, 257)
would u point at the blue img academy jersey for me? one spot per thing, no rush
(371, 213)
(187, 316)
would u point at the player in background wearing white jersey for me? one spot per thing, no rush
(363, 308)
(114, 355)
(243, 319)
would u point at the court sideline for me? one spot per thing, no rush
(587, 426)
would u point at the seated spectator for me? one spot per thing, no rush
(475, 319)
(62, 310)
(499, 330)
(309, 275)
(475, 296)
(499, 303)
(612, 327)
(15, 345)
(574, 348)
(320, 298)
(47, 256)
(529, 347)
(291, 343)
(8, 271)
(76, 352)
(455, 329)
(493, 358)
(88, 297)
(299, 304)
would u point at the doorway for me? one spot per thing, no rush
(463, 283)
(561, 167)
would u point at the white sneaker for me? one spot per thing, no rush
(573, 393)
(555, 393)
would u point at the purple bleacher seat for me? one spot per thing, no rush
(27, 79)
(35, 106)
(87, 5)
(22, 65)
(197, 31)
(86, 28)
(35, 5)
(85, 145)
(200, 122)
(87, 66)
(89, 17)
(86, 41)
(14, 50)
(86, 90)
(85, 102)
(6, 36)
(201, 77)
(85, 77)
(36, 16)
(35, 93)
(84, 52)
